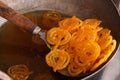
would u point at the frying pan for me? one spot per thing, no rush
(33, 57)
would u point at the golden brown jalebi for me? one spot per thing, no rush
(104, 32)
(51, 18)
(70, 24)
(88, 51)
(104, 54)
(104, 41)
(56, 35)
(104, 38)
(84, 33)
(92, 22)
(109, 49)
(74, 69)
(19, 72)
(86, 43)
(58, 59)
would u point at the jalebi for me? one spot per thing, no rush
(70, 24)
(51, 18)
(74, 69)
(58, 59)
(94, 23)
(104, 54)
(87, 44)
(19, 72)
(56, 35)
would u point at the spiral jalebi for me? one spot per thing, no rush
(79, 46)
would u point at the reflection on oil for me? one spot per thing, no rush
(44, 76)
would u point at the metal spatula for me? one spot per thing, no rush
(117, 5)
(20, 20)
(4, 76)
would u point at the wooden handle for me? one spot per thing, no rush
(16, 18)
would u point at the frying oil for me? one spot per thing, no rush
(17, 46)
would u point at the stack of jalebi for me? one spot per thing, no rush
(79, 46)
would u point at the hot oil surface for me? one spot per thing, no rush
(17, 47)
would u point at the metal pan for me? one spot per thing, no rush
(19, 49)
